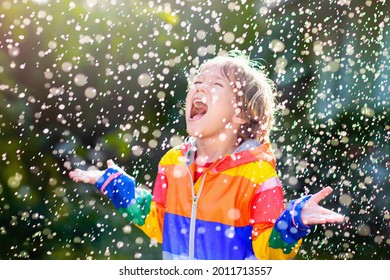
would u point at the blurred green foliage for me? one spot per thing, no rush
(85, 81)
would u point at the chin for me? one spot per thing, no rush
(194, 133)
(193, 129)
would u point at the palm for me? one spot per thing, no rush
(312, 213)
(90, 176)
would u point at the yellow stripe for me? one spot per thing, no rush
(258, 175)
(173, 156)
(152, 226)
(264, 252)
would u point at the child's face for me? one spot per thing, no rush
(211, 105)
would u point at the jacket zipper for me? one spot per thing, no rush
(194, 207)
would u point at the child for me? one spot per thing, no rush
(218, 196)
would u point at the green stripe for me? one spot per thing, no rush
(136, 212)
(276, 242)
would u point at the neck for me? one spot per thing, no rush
(211, 149)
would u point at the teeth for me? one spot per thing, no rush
(200, 101)
(199, 106)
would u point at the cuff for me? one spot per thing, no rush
(296, 210)
(118, 186)
(109, 175)
(289, 223)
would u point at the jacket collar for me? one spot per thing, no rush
(249, 151)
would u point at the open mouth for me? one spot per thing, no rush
(199, 108)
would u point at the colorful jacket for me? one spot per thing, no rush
(235, 210)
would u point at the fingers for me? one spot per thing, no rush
(78, 175)
(337, 218)
(74, 174)
(89, 177)
(321, 194)
(110, 163)
(325, 218)
(312, 213)
(331, 216)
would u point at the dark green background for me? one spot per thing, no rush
(330, 60)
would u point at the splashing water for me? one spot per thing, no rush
(81, 83)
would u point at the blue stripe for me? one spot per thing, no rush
(119, 190)
(289, 232)
(212, 240)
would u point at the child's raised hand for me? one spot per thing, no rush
(89, 176)
(312, 213)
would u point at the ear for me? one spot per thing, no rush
(238, 119)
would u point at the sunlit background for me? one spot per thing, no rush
(85, 81)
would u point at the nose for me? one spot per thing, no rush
(203, 87)
(197, 87)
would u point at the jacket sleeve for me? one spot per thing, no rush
(289, 225)
(277, 232)
(282, 239)
(133, 203)
(153, 226)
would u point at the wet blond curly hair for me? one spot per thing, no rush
(255, 93)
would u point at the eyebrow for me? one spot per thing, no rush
(202, 76)
(220, 77)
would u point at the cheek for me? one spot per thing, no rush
(191, 87)
(188, 98)
(214, 99)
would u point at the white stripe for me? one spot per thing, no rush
(271, 183)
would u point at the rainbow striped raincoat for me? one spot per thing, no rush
(235, 210)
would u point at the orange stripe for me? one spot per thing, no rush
(179, 193)
(227, 200)
(231, 195)
(226, 197)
